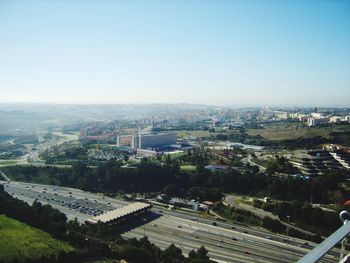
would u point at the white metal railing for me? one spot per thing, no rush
(338, 236)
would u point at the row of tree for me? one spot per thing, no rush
(111, 177)
(304, 215)
(249, 218)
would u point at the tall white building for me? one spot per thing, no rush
(141, 140)
(311, 122)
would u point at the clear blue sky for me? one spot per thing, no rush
(213, 52)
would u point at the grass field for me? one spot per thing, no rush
(188, 168)
(285, 131)
(177, 155)
(201, 134)
(20, 242)
(7, 162)
(194, 134)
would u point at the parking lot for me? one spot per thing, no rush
(72, 202)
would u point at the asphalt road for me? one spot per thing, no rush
(73, 202)
(226, 242)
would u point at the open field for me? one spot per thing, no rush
(285, 131)
(7, 162)
(188, 168)
(202, 134)
(176, 155)
(20, 242)
(194, 134)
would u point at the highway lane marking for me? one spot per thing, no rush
(209, 246)
(268, 243)
(158, 231)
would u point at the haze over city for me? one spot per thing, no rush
(233, 53)
(174, 131)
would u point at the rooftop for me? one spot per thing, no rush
(119, 213)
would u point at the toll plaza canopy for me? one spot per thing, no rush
(121, 213)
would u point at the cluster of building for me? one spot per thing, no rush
(96, 135)
(136, 140)
(139, 140)
(184, 203)
(143, 143)
(150, 144)
(315, 119)
(313, 162)
(312, 119)
(176, 119)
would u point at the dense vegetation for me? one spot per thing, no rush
(110, 177)
(304, 215)
(249, 218)
(20, 242)
(277, 165)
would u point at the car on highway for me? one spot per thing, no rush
(304, 245)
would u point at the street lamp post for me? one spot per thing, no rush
(288, 217)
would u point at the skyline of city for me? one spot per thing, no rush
(213, 53)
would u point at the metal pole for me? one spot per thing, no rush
(288, 217)
(321, 249)
(342, 250)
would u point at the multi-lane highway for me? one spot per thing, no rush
(225, 242)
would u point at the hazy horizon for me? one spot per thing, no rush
(150, 104)
(222, 53)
